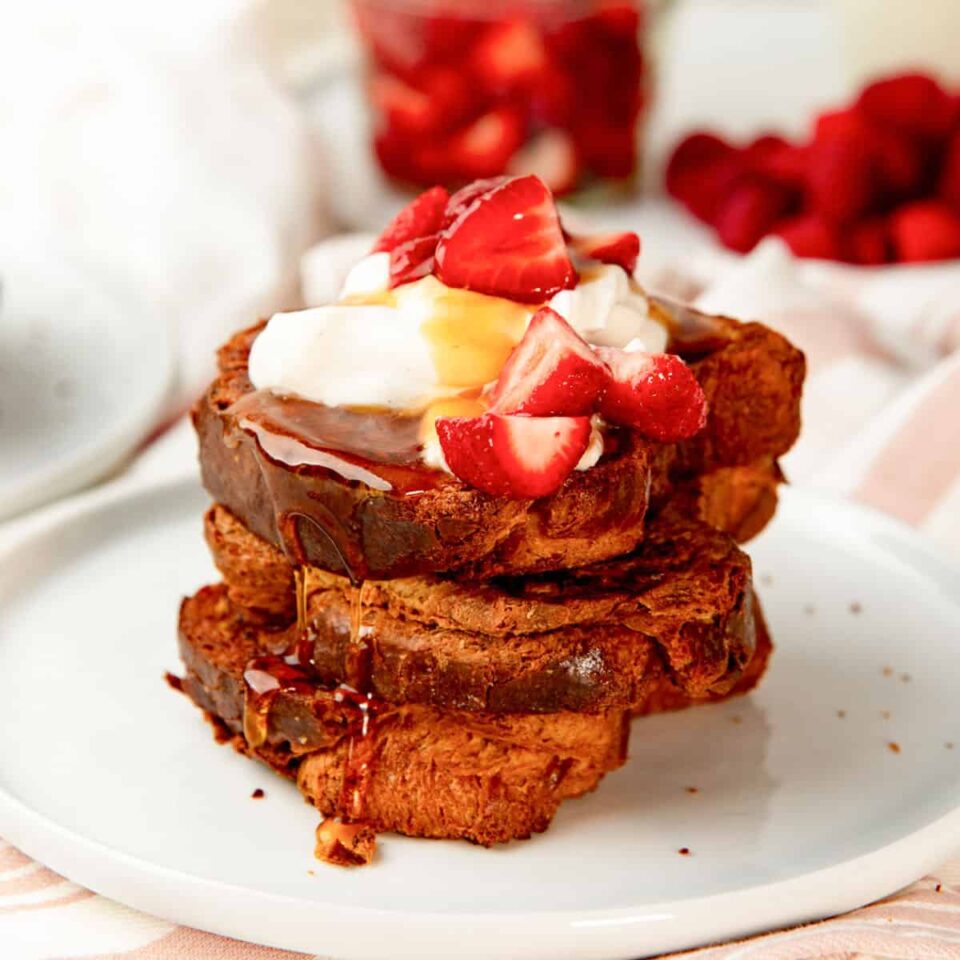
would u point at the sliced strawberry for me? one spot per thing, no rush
(412, 260)
(925, 230)
(622, 249)
(482, 148)
(551, 156)
(468, 195)
(656, 394)
(513, 456)
(508, 244)
(403, 108)
(509, 55)
(552, 372)
(421, 218)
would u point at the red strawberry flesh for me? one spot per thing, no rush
(420, 218)
(412, 260)
(621, 249)
(513, 456)
(656, 394)
(551, 373)
(508, 243)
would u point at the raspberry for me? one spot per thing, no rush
(774, 158)
(948, 186)
(752, 208)
(841, 183)
(700, 173)
(809, 235)
(868, 242)
(925, 230)
(912, 102)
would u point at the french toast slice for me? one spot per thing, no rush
(428, 773)
(678, 611)
(422, 521)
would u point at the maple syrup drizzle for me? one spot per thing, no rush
(355, 693)
(265, 678)
(323, 468)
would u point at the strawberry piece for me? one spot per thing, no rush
(551, 156)
(948, 185)
(622, 249)
(700, 173)
(841, 182)
(552, 372)
(750, 211)
(809, 235)
(450, 94)
(483, 148)
(513, 456)
(608, 148)
(868, 242)
(656, 394)
(420, 218)
(925, 230)
(911, 102)
(508, 56)
(468, 195)
(403, 108)
(508, 243)
(412, 260)
(553, 99)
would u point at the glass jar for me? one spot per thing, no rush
(462, 89)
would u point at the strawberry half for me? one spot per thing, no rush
(508, 243)
(656, 394)
(621, 249)
(420, 218)
(551, 373)
(513, 456)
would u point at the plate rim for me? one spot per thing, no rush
(121, 435)
(360, 931)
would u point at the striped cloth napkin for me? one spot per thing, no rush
(881, 424)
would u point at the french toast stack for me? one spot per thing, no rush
(426, 658)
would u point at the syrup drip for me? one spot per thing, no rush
(265, 678)
(355, 693)
(323, 468)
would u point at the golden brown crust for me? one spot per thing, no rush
(433, 773)
(591, 638)
(752, 377)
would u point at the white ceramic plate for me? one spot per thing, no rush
(82, 380)
(110, 778)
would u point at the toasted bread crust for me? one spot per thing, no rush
(586, 639)
(433, 773)
(752, 377)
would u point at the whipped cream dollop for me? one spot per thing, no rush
(407, 348)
